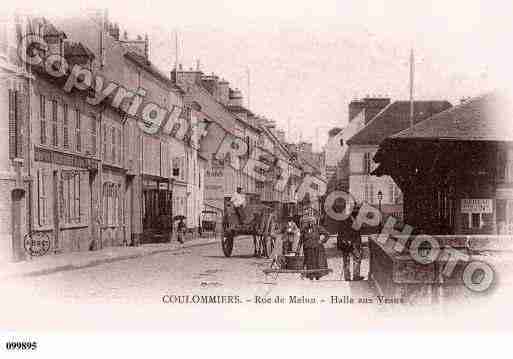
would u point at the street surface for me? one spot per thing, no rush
(129, 295)
(202, 269)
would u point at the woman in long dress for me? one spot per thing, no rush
(313, 246)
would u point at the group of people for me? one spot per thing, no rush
(313, 236)
(310, 237)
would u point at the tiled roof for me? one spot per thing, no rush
(394, 118)
(485, 118)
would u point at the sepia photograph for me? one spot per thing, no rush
(186, 167)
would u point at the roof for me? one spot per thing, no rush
(484, 118)
(148, 66)
(77, 49)
(394, 118)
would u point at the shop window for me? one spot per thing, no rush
(475, 220)
(70, 197)
(42, 199)
(112, 204)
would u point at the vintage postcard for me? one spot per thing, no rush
(240, 166)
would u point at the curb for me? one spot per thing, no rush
(96, 262)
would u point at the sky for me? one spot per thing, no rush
(308, 59)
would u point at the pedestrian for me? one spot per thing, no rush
(313, 248)
(290, 237)
(180, 231)
(349, 242)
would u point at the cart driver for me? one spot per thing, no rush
(239, 201)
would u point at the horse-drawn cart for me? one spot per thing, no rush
(258, 221)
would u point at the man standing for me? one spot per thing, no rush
(349, 242)
(239, 201)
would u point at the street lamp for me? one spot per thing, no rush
(380, 198)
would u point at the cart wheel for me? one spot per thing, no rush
(227, 244)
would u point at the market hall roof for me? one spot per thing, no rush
(485, 118)
(394, 118)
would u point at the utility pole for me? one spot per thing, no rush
(249, 88)
(412, 72)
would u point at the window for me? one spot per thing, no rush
(42, 118)
(112, 204)
(65, 126)
(15, 121)
(120, 147)
(78, 138)
(70, 197)
(92, 128)
(104, 143)
(475, 220)
(42, 203)
(369, 193)
(113, 144)
(55, 137)
(367, 162)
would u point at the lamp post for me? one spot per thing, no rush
(380, 198)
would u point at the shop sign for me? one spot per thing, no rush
(64, 159)
(476, 205)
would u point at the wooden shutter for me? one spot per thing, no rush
(42, 119)
(77, 131)
(65, 126)
(12, 123)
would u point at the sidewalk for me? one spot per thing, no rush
(76, 260)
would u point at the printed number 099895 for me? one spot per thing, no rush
(21, 345)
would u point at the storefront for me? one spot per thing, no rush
(62, 199)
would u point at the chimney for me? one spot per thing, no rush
(374, 105)
(146, 47)
(223, 90)
(235, 98)
(355, 107)
(371, 105)
(210, 83)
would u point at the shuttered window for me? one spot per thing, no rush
(104, 142)
(13, 124)
(78, 137)
(120, 147)
(55, 137)
(42, 207)
(71, 212)
(93, 130)
(113, 144)
(42, 118)
(65, 126)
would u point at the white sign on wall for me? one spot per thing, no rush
(476, 205)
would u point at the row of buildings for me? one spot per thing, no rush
(89, 176)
